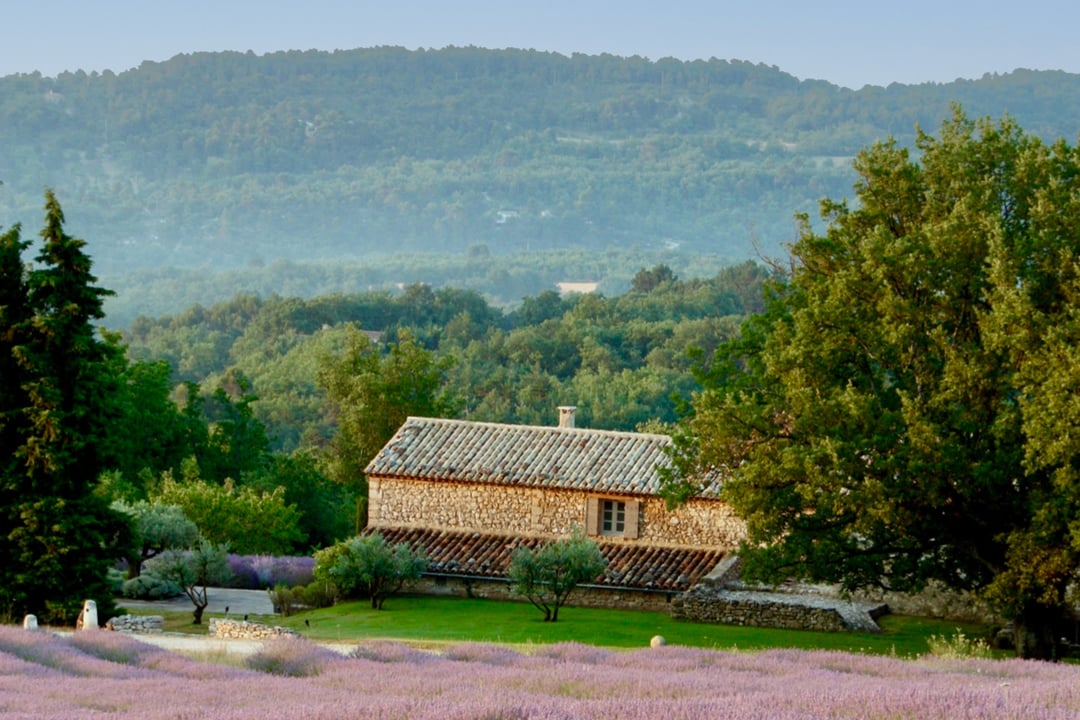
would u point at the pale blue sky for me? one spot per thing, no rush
(844, 42)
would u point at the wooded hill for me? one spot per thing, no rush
(621, 359)
(230, 160)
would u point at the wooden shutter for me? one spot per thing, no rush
(630, 527)
(592, 516)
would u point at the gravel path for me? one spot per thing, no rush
(236, 602)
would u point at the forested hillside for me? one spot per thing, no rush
(222, 161)
(621, 359)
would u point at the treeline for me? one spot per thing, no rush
(622, 359)
(229, 159)
(503, 280)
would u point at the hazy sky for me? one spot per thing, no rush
(848, 43)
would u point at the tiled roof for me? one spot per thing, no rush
(640, 567)
(524, 455)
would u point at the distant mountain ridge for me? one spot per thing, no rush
(227, 160)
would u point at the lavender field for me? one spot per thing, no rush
(110, 675)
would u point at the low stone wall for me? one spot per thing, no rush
(141, 624)
(711, 604)
(581, 597)
(243, 630)
(935, 601)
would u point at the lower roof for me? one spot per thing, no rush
(487, 556)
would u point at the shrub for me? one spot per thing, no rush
(316, 594)
(958, 647)
(150, 587)
(389, 651)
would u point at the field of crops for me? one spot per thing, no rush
(103, 675)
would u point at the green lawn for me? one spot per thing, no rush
(440, 620)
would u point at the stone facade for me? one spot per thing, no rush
(541, 512)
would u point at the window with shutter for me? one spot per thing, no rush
(612, 517)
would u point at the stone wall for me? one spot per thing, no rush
(581, 597)
(243, 630)
(717, 602)
(541, 512)
(935, 601)
(137, 624)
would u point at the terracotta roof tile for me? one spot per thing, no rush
(640, 567)
(524, 455)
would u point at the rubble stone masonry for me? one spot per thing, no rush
(485, 507)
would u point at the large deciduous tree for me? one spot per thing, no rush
(373, 389)
(905, 408)
(58, 537)
(249, 520)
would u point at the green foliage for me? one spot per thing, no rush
(322, 505)
(547, 576)
(373, 389)
(249, 521)
(958, 646)
(237, 440)
(193, 570)
(432, 150)
(318, 594)
(149, 587)
(368, 566)
(897, 414)
(151, 433)
(58, 537)
(157, 528)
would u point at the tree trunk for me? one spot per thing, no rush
(199, 609)
(1037, 631)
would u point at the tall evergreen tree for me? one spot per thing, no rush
(59, 538)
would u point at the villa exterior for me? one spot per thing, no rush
(469, 493)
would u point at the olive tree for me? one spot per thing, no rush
(369, 566)
(548, 575)
(158, 527)
(194, 569)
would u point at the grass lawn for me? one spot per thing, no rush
(445, 620)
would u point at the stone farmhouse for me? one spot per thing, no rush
(469, 493)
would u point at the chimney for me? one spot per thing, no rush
(566, 415)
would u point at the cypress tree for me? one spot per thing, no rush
(59, 537)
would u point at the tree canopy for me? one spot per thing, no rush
(374, 389)
(904, 409)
